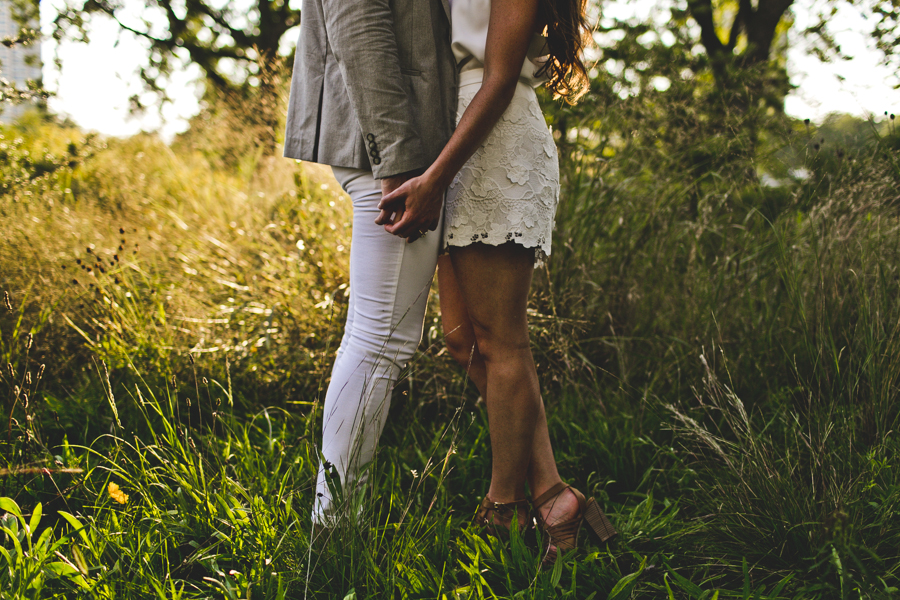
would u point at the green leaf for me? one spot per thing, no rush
(35, 518)
(351, 595)
(10, 506)
(42, 544)
(668, 588)
(64, 569)
(76, 525)
(693, 590)
(61, 569)
(556, 575)
(15, 539)
(625, 586)
(746, 578)
(781, 584)
(6, 557)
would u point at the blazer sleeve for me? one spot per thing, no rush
(362, 38)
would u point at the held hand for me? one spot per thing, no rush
(388, 185)
(416, 206)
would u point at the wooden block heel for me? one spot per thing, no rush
(599, 521)
(564, 535)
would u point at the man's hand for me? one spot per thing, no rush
(416, 206)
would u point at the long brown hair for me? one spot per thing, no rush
(567, 35)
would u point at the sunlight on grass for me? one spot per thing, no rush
(720, 361)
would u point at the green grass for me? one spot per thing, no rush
(720, 361)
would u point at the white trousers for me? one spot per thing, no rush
(389, 284)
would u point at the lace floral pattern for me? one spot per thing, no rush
(509, 189)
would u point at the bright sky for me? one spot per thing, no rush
(97, 79)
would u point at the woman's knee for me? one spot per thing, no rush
(496, 343)
(462, 347)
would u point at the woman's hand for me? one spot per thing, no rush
(413, 208)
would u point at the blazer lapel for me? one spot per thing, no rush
(446, 5)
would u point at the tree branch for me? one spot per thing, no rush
(702, 12)
(219, 18)
(761, 26)
(740, 20)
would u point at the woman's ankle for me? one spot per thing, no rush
(540, 486)
(559, 507)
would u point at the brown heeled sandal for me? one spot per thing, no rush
(564, 536)
(496, 517)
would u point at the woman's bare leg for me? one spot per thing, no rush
(493, 282)
(461, 342)
(458, 332)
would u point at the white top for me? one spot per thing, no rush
(469, 27)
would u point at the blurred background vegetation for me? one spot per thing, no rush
(717, 333)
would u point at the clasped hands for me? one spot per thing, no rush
(410, 206)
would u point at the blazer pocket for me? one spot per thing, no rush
(411, 72)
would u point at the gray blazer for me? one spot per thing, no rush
(374, 85)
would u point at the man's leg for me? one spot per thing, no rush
(389, 284)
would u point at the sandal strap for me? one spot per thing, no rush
(550, 494)
(564, 535)
(502, 510)
(489, 505)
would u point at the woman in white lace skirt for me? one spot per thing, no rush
(500, 171)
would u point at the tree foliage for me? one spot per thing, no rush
(25, 14)
(232, 42)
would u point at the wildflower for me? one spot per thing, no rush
(117, 494)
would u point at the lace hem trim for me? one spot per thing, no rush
(541, 246)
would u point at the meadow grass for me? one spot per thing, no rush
(720, 361)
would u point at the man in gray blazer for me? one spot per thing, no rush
(373, 95)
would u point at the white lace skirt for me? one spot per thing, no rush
(509, 189)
